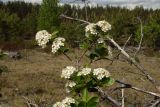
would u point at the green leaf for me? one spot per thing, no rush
(85, 45)
(93, 55)
(79, 87)
(85, 95)
(82, 104)
(101, 51)
(92, 102)
(64, 49)
(54, 35)
(107, 81)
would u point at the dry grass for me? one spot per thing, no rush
(37, 76)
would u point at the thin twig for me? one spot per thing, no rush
(122, 94)
(141, 40)
(80, 58)
(127, 41)
(67, 56)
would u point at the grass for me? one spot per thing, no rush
(37, 77)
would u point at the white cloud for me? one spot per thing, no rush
(128, 3)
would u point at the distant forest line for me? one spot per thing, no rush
(19, 22)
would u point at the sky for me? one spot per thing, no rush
(154, 4)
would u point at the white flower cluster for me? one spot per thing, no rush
(69, 85)
(91, 28)
(85, 71)
(57, 43)
(104, 25)
(65, 103)
(67, 72)
(42, 38)
(101, 73)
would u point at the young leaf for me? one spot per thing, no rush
(92, 102)
(85, 95)
(108, 81)
(84, 45)
(82, 104)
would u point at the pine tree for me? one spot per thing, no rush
(49, 15)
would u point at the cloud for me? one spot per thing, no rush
(155, 4)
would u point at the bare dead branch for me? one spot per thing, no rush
(141, 40)
(85, 6)
(155, 103)
(80, 58)
(75, 19)
(106, 96)
(137, 89)
(144, 71)
(122, 95)
(68, 57)
(127, 41)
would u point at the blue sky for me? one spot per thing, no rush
(128, 3)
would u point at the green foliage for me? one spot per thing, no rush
(9, 25)
(87, 100)
(151, 33)
(20, 20)
(49, 15)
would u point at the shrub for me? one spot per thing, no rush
(82, 82)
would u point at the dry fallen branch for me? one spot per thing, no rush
(106, 96)
(137, 89)
(132, 60)
(129, 59)
(80, 20)
(155, 103)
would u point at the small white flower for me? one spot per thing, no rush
(59, 104)
(68, 101)
(42, 38)
(104, 25)
(91, 28)
(69, 85)
(100, 40)
(85, 71)
(65, 103)
(57, 44)
(67, 72)
(101, 73)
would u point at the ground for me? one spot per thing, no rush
(37, 76)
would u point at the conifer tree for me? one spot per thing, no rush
(48, 15)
